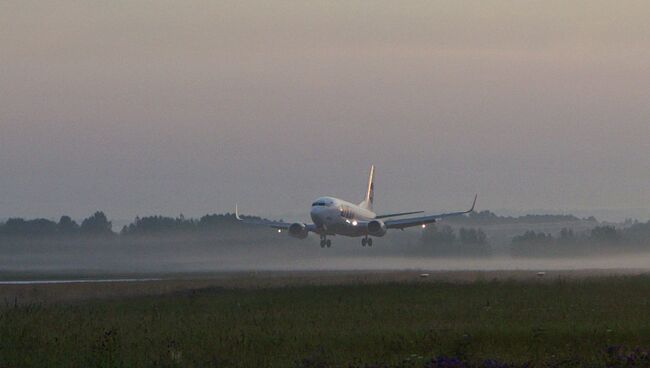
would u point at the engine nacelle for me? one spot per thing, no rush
(376, 228)
(298, 230)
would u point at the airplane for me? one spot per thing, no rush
(333, 216)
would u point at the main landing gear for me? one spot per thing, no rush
(366, 241)
(324, 242)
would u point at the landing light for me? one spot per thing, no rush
(354, 223)
(348, 221)
(279, 230)
(424, 226)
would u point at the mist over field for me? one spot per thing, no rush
(218, 243)
(156, 259)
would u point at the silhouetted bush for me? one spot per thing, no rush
(606, 235)
(159, 224)
(533, 243)
(600, 238)
(489, 218)
(21, 227)
(442, 241)
(472, 236)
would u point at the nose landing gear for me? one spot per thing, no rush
(366, 241)
(324, 242)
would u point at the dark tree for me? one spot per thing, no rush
(36, 227)
(442, 241)
(96, 224)
(438, 235)
(566, 236)
(472, 236)
(159, 224)
(14, 226)
(217, 222)
(605, 234)
(531, 237)
(67, 226)
(639, 233)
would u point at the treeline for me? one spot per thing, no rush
(484, 218)
(153, 225)
(600, 238)
(95, 225)
(444, 241)
(455, 239)
(98, 225)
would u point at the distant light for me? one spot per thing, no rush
(354, 223)
(279, 230)
(424, 226)
(348, 221)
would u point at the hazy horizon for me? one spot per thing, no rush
(138, 108)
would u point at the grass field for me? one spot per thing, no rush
(596, 321)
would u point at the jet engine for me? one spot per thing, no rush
(376, 228)
(298, 230)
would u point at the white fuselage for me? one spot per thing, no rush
(333, 216)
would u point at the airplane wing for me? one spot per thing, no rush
(423, 220)
(273, 224)
(397, 214)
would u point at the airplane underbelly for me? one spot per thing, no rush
(346, 229)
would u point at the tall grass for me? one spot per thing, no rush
(544, 323)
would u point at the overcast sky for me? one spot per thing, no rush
(169, 107)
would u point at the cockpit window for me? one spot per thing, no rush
(324, 203)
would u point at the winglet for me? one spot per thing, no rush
(473, 204)
(237, 213)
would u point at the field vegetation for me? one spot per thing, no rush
(600, 322)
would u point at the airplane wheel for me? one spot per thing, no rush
(369, 242)
(328, 243)
(363, 242)
(322, 243)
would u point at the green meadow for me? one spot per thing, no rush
(589, 322)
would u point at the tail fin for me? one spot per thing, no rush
(370, 194)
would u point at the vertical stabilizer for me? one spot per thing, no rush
(370, 193)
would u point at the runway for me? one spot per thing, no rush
(75, 281)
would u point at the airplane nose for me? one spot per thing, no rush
(321, 216)
(316, 216)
